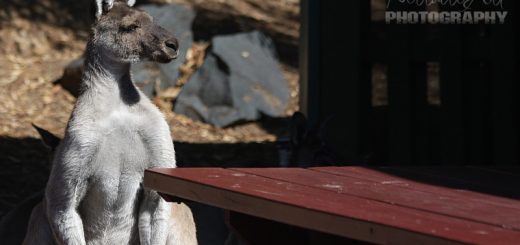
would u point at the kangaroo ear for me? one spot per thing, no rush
(49, 140)
(103, 6)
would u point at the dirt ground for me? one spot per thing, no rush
(38, 38)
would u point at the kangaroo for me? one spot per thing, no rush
(94, 194)
(307, 144)
(13, 225)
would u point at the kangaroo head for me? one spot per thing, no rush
(129, 35)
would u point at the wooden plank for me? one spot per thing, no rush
(504, 89)
(343, 77)
(407, 118)
(505, 170)
(420, 123)
(454, 182)
(321, 210)
(415, 184)
(400, 97)
(419, 98)
(309, 58)
(472, 177)
(379, 191)
(452, 140)
(477, 112)
(477, 175)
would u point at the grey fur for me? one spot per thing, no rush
(94, 194)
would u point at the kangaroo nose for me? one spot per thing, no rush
(172, 44)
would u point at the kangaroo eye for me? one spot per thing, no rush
(129, 28)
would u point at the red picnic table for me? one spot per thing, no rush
(366, 204)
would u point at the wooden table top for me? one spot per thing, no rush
(374, 205)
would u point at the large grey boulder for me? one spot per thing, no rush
(239, 80)
(207, 96)
(177, 19)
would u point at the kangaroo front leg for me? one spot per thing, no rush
(154, 211)
(38, 230)
(154, 215)
(67, 184)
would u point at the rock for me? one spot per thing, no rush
(72, 76)
(207, 96)
(239, 80)
(177, 19)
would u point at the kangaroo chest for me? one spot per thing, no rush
(114, 187)
(121, 158)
